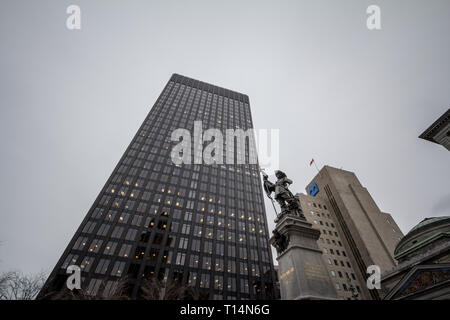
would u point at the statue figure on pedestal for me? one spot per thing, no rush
(289, 204)
(301, 269)
(281, 241)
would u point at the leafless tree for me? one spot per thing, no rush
(14, 285)
(156, 290)
(149, 289)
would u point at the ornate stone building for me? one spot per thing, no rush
(439, 131)
(423, 271)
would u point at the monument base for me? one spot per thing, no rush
(302, 272)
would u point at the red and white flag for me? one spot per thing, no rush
(312, 161)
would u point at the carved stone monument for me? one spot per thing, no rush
(302, 272)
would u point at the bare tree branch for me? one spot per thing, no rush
(14, 285)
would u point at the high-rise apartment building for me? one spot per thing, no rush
(355, 233)
(187, 224)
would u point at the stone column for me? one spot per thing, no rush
(302, 272)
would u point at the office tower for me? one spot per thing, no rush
(355, 233)
(187, 224)
(335, 255)
(439, 131)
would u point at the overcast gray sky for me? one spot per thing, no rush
(348, 97)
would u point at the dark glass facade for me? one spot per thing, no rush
(192, 224)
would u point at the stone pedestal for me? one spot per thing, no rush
(302, 272)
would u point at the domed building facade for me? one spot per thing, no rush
(423, 270)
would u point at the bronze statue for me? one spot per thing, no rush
(289, 204)
(281, 241)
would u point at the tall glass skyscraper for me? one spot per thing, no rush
(190, 224)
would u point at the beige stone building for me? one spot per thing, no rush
(355, 233)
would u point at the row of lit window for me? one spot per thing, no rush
(198, 231)
(179, 201)
(210, 220)
(227, 174)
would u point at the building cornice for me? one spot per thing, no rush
(422, 243)
(431, 131)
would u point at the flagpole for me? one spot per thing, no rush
(315, 165)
